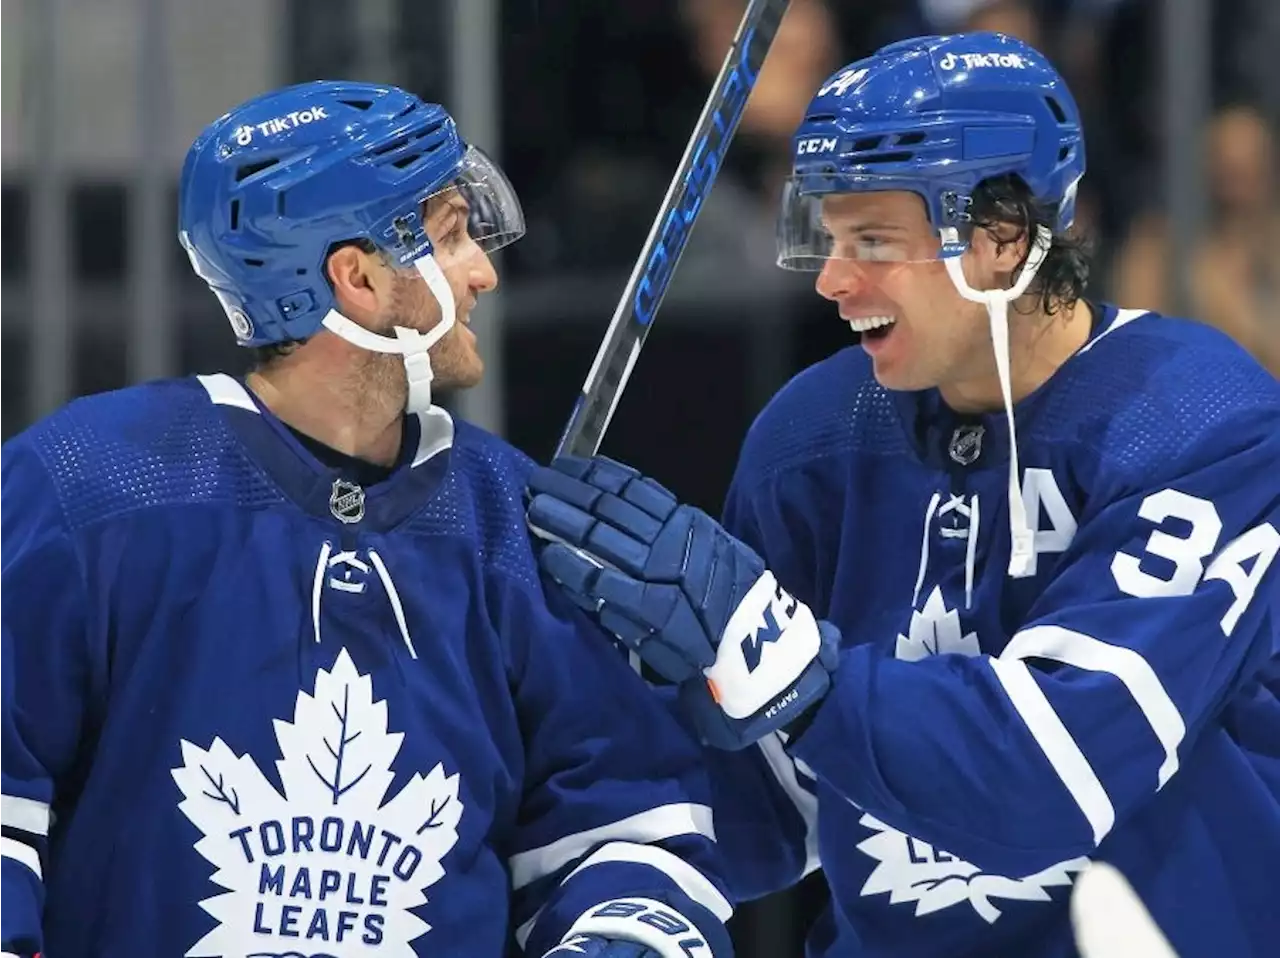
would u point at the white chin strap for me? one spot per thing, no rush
(997, 302)
(410, 343)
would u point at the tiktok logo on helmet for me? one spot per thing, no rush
(979, 60)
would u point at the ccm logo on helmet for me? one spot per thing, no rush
(817, 144)
(975, 60)
(279, 124)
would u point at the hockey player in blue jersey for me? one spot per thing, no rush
(1025, 606)
(280, 674)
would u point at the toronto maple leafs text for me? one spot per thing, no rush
(304, 893)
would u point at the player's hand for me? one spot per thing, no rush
(695, 603)
(639, 927)
(593, 946)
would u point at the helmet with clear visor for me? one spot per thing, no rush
(934, 116)
(268, 190)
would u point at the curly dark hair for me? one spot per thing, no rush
(1006, 200)
(264, 356)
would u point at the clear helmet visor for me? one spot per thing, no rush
(479, 202)
(815, 227)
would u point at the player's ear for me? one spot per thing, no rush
(1000, 249)
(358, 280)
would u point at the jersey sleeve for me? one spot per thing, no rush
(1162, 608)
(616, 802)
(45, 674)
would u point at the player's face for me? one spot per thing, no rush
(455, 359)
(890, 287)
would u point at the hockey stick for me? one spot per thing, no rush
(1110, 921)
(670, 232)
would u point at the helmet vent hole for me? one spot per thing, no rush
(898, 156)
(249, 169)
(404, 161)
(409, 109)
(235, 215)
(388, 147)
(820, 118)
(867, 143)
(358, 104)
(1064, 153)
(1058, 113)
(910, 139)
(254, 262)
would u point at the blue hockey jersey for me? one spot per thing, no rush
(985, 735)
(254, 709)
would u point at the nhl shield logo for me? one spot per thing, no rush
(347, 501)
(966, 444)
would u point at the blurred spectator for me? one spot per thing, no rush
(804, 53)
(593, 149)
(1130, 110)
(1235, 277)
(599, 99)
(1017, 18)
(735, 230)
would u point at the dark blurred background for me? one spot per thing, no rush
(588, 105)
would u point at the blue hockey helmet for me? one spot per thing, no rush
(935, 116)
(270, 187)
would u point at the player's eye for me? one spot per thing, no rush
(876, 248)
(453, 230)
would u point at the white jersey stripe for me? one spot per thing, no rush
(1057, 744)
(654, 825)
(1086, 652)
(25, 814)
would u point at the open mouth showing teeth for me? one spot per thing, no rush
(873, 326)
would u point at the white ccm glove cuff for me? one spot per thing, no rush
(646, 922)
(770, 640)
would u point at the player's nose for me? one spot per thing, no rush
(483, 277)
(840, 279)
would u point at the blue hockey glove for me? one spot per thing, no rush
(593, 946)
(695, 603)
(638, 928)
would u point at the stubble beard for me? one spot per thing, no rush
(455, 363)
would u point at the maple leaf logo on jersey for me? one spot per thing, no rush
(327, 866)
(935, 630)
(914, 871)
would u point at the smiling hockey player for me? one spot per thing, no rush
(1025, 611)
(280, 674)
